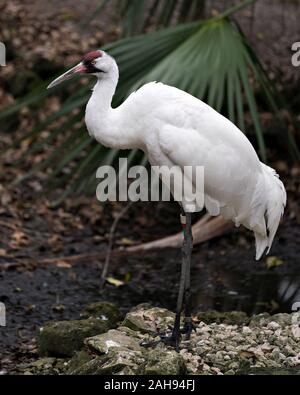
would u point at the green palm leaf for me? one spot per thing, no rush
(210, 59)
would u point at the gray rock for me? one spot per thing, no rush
(123, 360)
(225, 344)
(90, 367)
(259, 320)
(79, 359)
(116, 361)
(129, 332)
(283, 319)
(63, 338)
(228, 317)
(112, 339)
(104, 311)
(148, 319)
(42, 366)
(164, 362)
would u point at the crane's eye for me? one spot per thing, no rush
(93, 62)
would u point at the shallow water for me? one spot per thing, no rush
(251, 291)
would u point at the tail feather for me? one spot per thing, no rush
(261, 243)
(275, 204)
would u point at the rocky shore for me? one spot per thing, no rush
(104, 342)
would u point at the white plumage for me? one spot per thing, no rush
(174, 128)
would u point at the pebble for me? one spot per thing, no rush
(219, 349)
(273, 325)
(246, 330)
(229, 346)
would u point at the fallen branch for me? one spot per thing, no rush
(205, 229)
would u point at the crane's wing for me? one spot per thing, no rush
(229, 178)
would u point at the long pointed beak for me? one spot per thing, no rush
(79, 69)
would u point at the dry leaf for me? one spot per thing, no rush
(127, 242)
(273, 261)
(63, 264)
(115, 282)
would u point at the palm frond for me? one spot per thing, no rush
(210, 59)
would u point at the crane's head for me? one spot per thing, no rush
(97, 63)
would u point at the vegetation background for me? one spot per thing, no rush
(236, 55)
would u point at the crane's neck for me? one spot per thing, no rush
(107, 125)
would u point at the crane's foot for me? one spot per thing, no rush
(172, 340)
(188, 328)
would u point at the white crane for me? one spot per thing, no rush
(174, 128)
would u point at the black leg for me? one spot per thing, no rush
(188, 325)
(184, 288)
